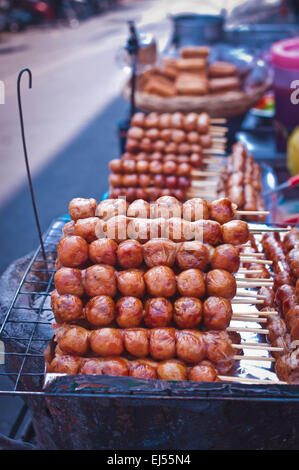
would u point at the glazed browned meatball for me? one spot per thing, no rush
(217, 313)
(158, 312)
(129, 311)
(222, 210)
(116, 228)
(221, 283)
(72, 251)
(136, 341)
(172, 370)
(192, 254)
(107, 342)
(268, 295)
(226, 257)
(195, 209)
(116, 366)
(100, 310)
(178, 229)
(72, 339)
(91, 366)
(159, 251)
(205, 371)
(142, 370)
(130, 254)
(218, 347)
(90, 229)
(191, 283)
(100, 280)
(190, 346)
(160, 281)
(66, 308)
(80, 208)
(139, 208)
(162, 343)
(287, 368)
(65, 364)
(167, 207)
(235, 232)
(207, 231)
(69, 281)
(276, 327)
(187, 312)
(131, 283)
(103, 251)
(112, 207)
(68, 229)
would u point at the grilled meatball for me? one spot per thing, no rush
(219, 348)
(191, 283)
(72, 339)
(116, 366)
(100, 280)
(162, 343)
(159, 251)
(226, 257)
(140, 229)
(192, 254)
(172, 370)
(205, 371)
(268, 295)
(103, 251)
(235, 232)
(72, 251)
(80, 208)
(142, 370)
(167, 207)
(220, 283)
(65, 364)
(90, 229)
(160, 281)
(68, 229)
(178, 229)
(158, 312)
(187, 312)
(66, 307)
(139, 208)
(287, 367)
(129, 312)
(276, 326)
(107, 342)
(116, 228)
(91, 366)
(222, 210)
(112, 207)
(131, 282)
(217, 313)
(190, 346)
(100, 310)
(136, 341)
(69, 281)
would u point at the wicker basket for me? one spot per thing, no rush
(231, 103)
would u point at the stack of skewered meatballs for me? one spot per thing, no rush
(284, 298)
(142, 306)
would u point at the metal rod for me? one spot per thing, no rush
(26, 70)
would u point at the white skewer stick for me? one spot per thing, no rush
(245, 380)
(261, 331)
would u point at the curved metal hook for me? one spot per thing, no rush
(26, 70)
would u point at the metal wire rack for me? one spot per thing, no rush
(26, 327)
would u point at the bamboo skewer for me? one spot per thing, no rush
(248, 300)
(262, 314)
(253, 255)
(218, 120)
(256, 284)
(269, 229)
(253, 212)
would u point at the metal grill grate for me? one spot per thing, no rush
(26, 327)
